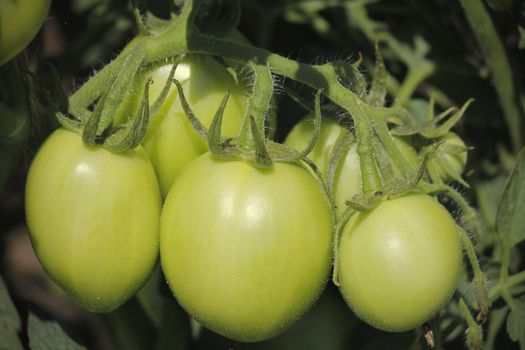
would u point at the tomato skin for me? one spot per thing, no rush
(347, 177)
(246, 251)
(171, 142)
(93, 218)
(19, 23)
(399, 262)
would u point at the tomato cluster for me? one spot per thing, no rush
(233, 238)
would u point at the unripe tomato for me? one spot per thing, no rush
(93, 218)
(447, 164)
(399, 262)
(20, 20)
(301, 134)
(171, 142)
(347, 178)
(246, 251)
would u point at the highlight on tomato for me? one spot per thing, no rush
(93, 218)
(246, 251)
(398, 264)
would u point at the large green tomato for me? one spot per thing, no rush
(93, 217)
(347, 178)
(171, 142)
(246, 251)
(20, 20)
(399, 262)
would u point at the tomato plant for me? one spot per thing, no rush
(246, 251)
(93, 218)
(171, 143)
(19, 23)
(347, 176)
(245, 235)
(399, 262)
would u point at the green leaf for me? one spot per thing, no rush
(511, 209)
(46, 334)
(9, 321)
(516, 322)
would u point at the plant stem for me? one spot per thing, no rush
(497, 60)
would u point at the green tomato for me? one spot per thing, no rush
(399, 262)
(347, 178)
(170, 142)
(300, 136)
(93, 217)
(20, 20)
(246, 251)
(448, 164)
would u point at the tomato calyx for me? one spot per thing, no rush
(98, 127)
(263, 152)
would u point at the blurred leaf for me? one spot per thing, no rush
(150, 298)
(174, 333)
(9, 321)
(511, 210)
(500, 5)
(131, 328)
(496, 319)
(46, 334)
(516, 322)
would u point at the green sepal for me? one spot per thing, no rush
(262, 157)
(362, 202)
(339, 228)
(195, 122)
(414, 179)
(89, 134)
(143, 30)
(429, 129)
(214, 133)
(166, 89)
(340, 149)
(130, 135)
(474, 333)
(99, 123)
(68, 121)
(317, 126)
(283, 153)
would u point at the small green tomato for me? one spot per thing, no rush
(399, 262)
(448, 163)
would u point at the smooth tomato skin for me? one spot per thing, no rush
(171, 142)
(399, 262)
(93, 218)
(347, 178)
(246, 251)
(19, 23)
